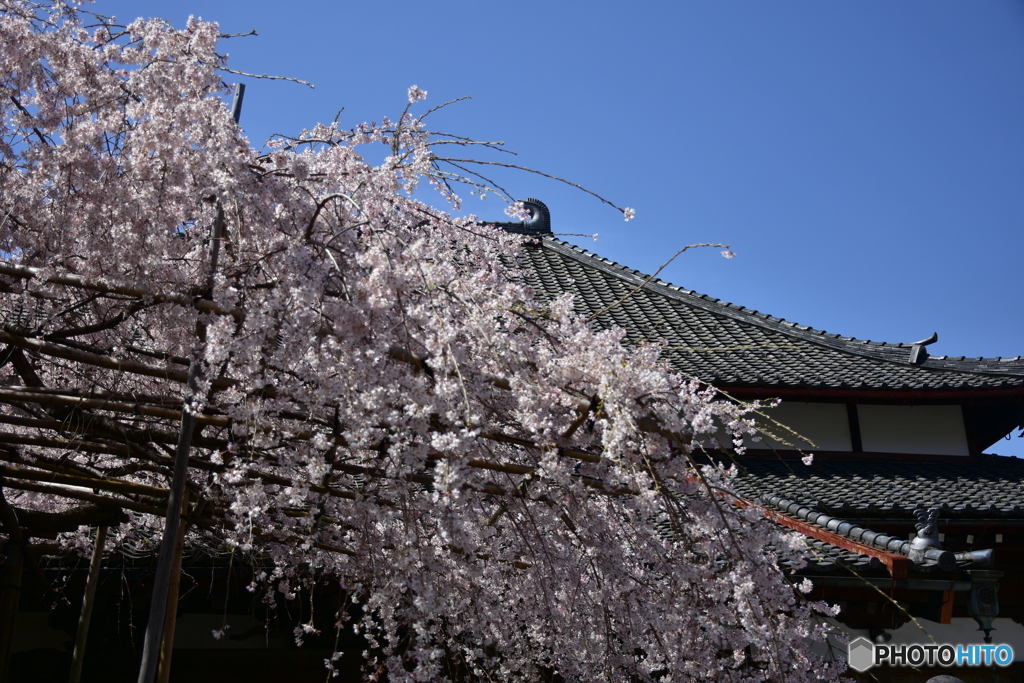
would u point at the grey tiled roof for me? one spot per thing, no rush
(989, 487)
(728, 345)
(731, 346)
(825, 558)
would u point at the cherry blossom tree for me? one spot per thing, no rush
(377, 396)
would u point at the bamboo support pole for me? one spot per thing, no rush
(480, 463)
(144, 435)
(335, 549)
(66, 444)
(113, 485)
(20, 396)
(38, 461)
(43, 463)
(44, 397)
(161, 583)
(167, 647)
(95, 392)
(202, 305)
(215, 521)
(101, 361)
(510, 468)
(79, 494)
(396, 353)
(60, 351)
(87, 603)
(123, 487)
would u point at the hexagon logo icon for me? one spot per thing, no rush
(861, 654)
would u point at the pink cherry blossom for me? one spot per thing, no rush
(416, 94)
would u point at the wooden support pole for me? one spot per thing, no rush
(87, 602)
(169, 546)
(10, 582)
(167, 647)
(171, 549)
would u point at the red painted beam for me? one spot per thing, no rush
(946, 615)
(898, 565)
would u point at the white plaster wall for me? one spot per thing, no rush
(936, 430)
(817, 427)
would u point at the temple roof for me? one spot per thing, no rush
(734, 348)
(731, 346)
(886, 487)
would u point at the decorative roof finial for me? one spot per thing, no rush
(927, 534)
(919, 354)
(538, 223)
(540, 217)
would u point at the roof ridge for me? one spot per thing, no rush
(879, 351)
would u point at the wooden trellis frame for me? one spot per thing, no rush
(98, 428)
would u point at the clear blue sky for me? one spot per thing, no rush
(865, 160)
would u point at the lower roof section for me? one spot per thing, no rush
(731, 346)
(889, 486)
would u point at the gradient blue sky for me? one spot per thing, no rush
(865, 160)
